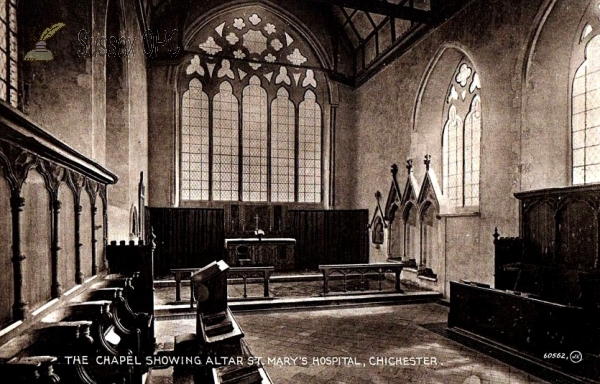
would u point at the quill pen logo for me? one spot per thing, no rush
(41, 53)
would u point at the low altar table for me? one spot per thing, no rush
(278, 252)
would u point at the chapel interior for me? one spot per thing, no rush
(300, 191)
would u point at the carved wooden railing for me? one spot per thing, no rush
(24, 148)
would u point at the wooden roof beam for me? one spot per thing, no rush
(384, 8)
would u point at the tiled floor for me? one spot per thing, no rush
(361, 335)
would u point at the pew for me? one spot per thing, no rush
(546, 294)
(110, 337)
(132, 268)
(31, 357)
(42, 355)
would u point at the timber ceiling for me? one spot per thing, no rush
(374, 32)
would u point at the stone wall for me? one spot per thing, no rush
(91, 97)
(408, 124)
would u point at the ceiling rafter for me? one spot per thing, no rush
(352, 26)
(399, 11)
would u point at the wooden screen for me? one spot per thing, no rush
(185, 237)
(330, 237)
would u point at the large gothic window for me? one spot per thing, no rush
(585, 104)
(8, 52)
(461, 137)
(251, 113)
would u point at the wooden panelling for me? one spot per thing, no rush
(36, 240)
(6, 266)
(533, 326)
(66, 255)
(185, 237)
(577, 238)
(538, 227)
(329, 237)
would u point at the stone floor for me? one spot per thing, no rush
(356, 345)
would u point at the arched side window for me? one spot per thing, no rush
(461, 137)
(194, 143)
(585, 102)
(251, 112)
(8, 52)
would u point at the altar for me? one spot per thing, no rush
(278, 252)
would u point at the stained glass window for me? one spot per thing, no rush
(254, 142)
(283, 139)
(8, 52)
(194, 143)
(225, 144)
(461, 137)
(309, 167)
(254, 111)
(586, 116)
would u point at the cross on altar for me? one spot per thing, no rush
(256, 218)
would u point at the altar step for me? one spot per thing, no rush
(346, 299)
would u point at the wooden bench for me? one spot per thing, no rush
(361, 270)
(241, 272)
(40, 355)
(32, 356)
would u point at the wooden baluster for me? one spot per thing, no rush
(325, 281)
(244, 278)
(94, 209)
(266, 283)
(56, 285)
(78, 245)
(362, 281)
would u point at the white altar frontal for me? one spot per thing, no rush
(278, 252)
